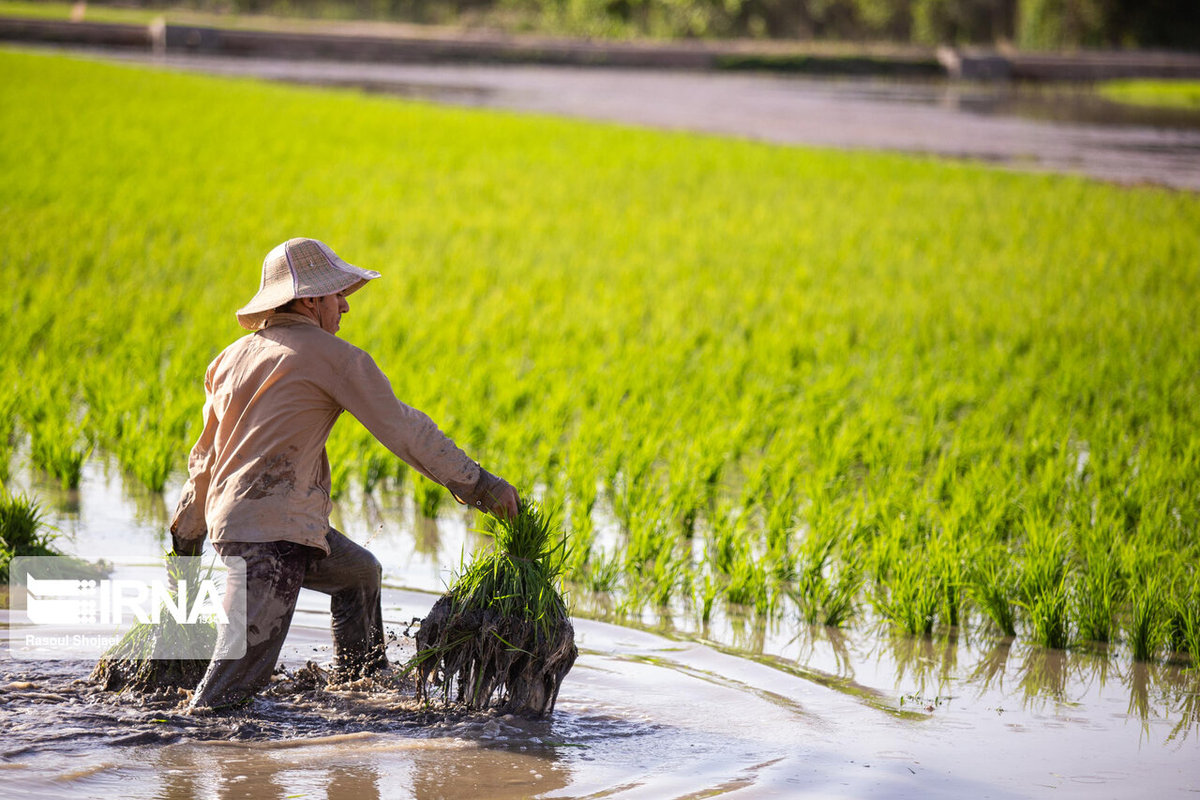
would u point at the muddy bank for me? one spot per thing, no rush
(298, 704)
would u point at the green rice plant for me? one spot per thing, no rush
(603, 574)
(502, 633)
(728, 544)
(992, 584)
(749, 585)
(708, 595)
(153, 461)
(1183, 617)
(826, 595)
(428, 497)
(1043, 566)
(579, 556)
(829, 600)
(669, 576)
(1044, 592)
(22, 525)
(1159, 94)
(374, 467)
(948, 564)
(910, 598)
(23, 531)
(1147, 628)
(1050, 615)
(1098, 595)
(56, 450)
(140, 662)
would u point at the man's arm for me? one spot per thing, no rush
(361, 388)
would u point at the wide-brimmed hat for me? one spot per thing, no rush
(300, 268)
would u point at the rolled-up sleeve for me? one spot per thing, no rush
(361, 388)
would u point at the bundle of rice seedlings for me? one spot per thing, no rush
(501, 636)
(144, 659)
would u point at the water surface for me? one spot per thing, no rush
(667, 708)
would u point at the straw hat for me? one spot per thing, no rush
(300, 268)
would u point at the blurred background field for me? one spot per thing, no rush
(866, 387)
(1027, 24)
(1161, 94)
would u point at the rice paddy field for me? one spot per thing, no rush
(1162, 94)
(803, 385)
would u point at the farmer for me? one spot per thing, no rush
(258, 477)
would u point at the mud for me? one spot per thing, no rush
(298, 704)
(483, 659)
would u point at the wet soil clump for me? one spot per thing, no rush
(501, 637)
(481, 658)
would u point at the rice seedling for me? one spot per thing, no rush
(708, 596)
(501, 636)
(1050, 615)
(428, 497)
(1147, 629)
(146, 657)
(829, 600)
(1183, 619)
(603, 574)
(910, 598)
(992, 585)
(23, 531)
(749, 585)
(22, 524)
(56, 450)
(1099, 593)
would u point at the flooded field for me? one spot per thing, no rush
(1058, 128)
(662, 709)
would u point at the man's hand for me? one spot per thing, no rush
(490, 493)
(505, 501)
(495, 496)
(186, 547)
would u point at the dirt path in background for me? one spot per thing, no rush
(1060, 131)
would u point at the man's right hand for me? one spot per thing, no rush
(506, 501)
(496, 496)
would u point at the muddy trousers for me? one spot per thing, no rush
(275, 573)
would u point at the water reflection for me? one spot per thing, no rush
(1042, 677)
(999, 672)
(923, 662)
(366, 769)
(497, 774)
(353, 783)
(189, 772)
(989, 671)
(426, 539)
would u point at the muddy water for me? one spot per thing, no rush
(668, 710)
(1054, 128)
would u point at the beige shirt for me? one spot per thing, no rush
(259, 471)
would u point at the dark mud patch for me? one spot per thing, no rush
(54, 707)
(480, 657)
